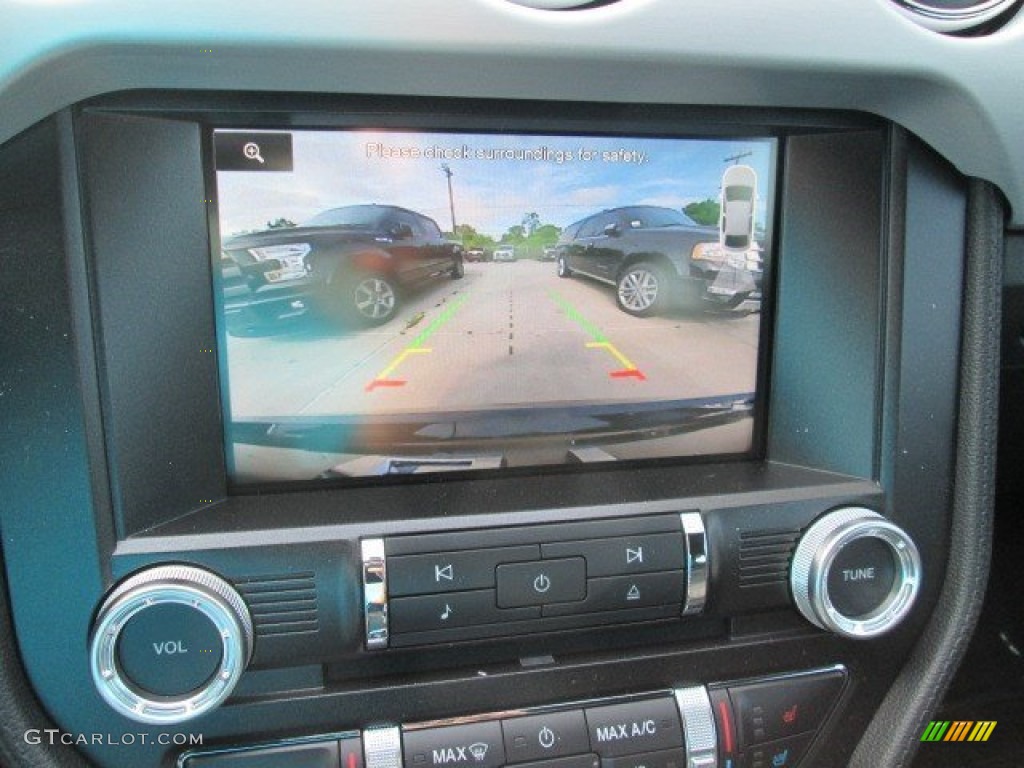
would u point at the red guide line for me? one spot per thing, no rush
(723, 709)
(351, 760)
(628, 373)
(384, 383)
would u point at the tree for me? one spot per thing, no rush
(514, 234)
(546, 234)
(705, 212)
(470, 238)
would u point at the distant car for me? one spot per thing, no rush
(653, 256)
(475, 254)
(739, 193)
(504, 253)
(549, 253)
(351, 262)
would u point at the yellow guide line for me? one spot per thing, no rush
(399, 360)
(626, 363)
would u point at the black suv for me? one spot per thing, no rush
(655, 256)
(350, 263)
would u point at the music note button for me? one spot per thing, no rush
(446, 611)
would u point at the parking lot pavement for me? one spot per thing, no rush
(507, 334)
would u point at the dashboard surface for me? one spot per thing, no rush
(861, 56)
(900, 170)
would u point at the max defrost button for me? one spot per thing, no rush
(544, 736)
(539, 583)
(169, 649)
(478, 745)
(628, 729)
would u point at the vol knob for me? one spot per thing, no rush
(169, 644)
(855, 573)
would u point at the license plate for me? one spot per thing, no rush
(281, 275)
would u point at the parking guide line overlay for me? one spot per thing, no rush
(600, 341)
(382, 379)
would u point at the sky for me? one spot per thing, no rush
(563, 180)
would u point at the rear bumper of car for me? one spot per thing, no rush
(270, 303)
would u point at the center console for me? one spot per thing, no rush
(473, 434)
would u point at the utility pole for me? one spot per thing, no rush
(735, 159)
(447, 171)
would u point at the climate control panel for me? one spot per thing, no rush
(761, 723)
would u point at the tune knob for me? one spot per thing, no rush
(169, 644)
(855, 573)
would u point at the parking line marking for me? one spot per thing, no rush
(416, 347)
(600, 341)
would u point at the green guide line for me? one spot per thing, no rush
(440, 320)
(580, 320)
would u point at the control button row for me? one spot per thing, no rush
(537, 592)
(766, 723)
(466, 570)
(619, 734)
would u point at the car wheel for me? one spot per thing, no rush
(458, 270)
(373, 299)
(642, 289)
(563, 267)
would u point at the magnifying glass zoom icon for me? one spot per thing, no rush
(252, 152)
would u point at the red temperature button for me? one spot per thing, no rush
(776, 709)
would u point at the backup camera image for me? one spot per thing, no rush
(393, 302)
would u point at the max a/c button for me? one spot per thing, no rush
(634, 728)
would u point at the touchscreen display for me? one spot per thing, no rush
(397, 302)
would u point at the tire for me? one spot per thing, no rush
(458, 270)
(642, 289)
(371, 299)
(563, 267)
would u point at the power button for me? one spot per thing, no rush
(542, 582)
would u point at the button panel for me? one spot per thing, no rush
(689, 727)
(478, 584)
